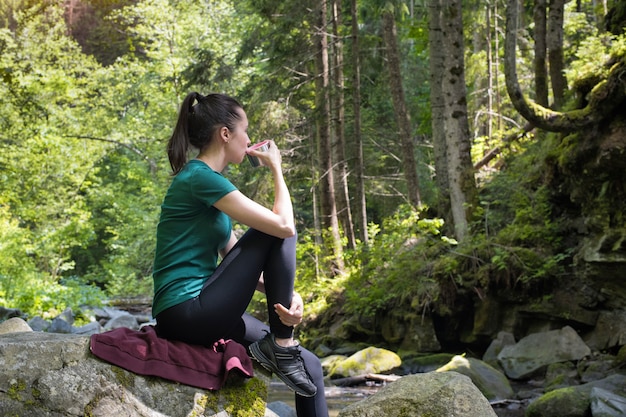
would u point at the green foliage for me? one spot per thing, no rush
(396, 265)
(315, 284)
(14, 254)
(589, 65)
(37, 294)
(518, 240)
(577, 29)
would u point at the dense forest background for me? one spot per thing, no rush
(415, 176)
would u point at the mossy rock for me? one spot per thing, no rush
(369, 360)
(492, 383)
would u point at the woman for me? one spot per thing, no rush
(199, 299)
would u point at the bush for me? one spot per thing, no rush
(396, 267)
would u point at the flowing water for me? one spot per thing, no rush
(336, 397)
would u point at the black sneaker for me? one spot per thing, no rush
(285, 362)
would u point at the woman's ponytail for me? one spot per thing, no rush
(178, 145)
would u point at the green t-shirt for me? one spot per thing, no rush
(189, 235)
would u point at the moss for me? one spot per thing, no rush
(238, 401)
(204, 402)
(125, 378)
(20, 392)
(556, 383)
(564, 400)
(16, 389)
(88, 410)
(248, 401)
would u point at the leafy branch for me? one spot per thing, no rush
(150, 161)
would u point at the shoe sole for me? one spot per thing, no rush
(266, 363)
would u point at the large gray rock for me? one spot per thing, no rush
(491, 354)
(280, 409)
(421, 395)
(535, 352)
(491, 382)
(122, 320)
(607, 404)
(55, 375)
(609, 331)
(577, 401)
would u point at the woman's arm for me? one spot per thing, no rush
(246, 211)
(279, 221)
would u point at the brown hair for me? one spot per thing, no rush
(198, 120)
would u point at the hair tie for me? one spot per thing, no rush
(197, 97)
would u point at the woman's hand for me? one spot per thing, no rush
(271, 157)
(293, 315)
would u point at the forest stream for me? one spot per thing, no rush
(336, 397)
(340, 397)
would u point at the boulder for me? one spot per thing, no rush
(7, 313)
(39, 324)
(421, 364)
(609, 332)
(495, 347)
(14, 325)
(561, 375)
(577, 401)
(420, 395)
(369, 360)
(492, 383)
(280, 409)
(330, 362)
(597, 367)
(607, 404)
(122, 320)
(533, 353)
(55, 375)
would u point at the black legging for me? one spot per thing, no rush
(219, 311)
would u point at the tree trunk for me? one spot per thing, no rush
(436, 52)
(460, 170)
(327, 184)
(490, 80)
(555, 52)
(360, 204)
(497, 31)
(402, 115)
(541, 70)
(341, 179)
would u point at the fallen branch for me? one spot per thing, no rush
(505, 402)
(361, 379)
(506, 141)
